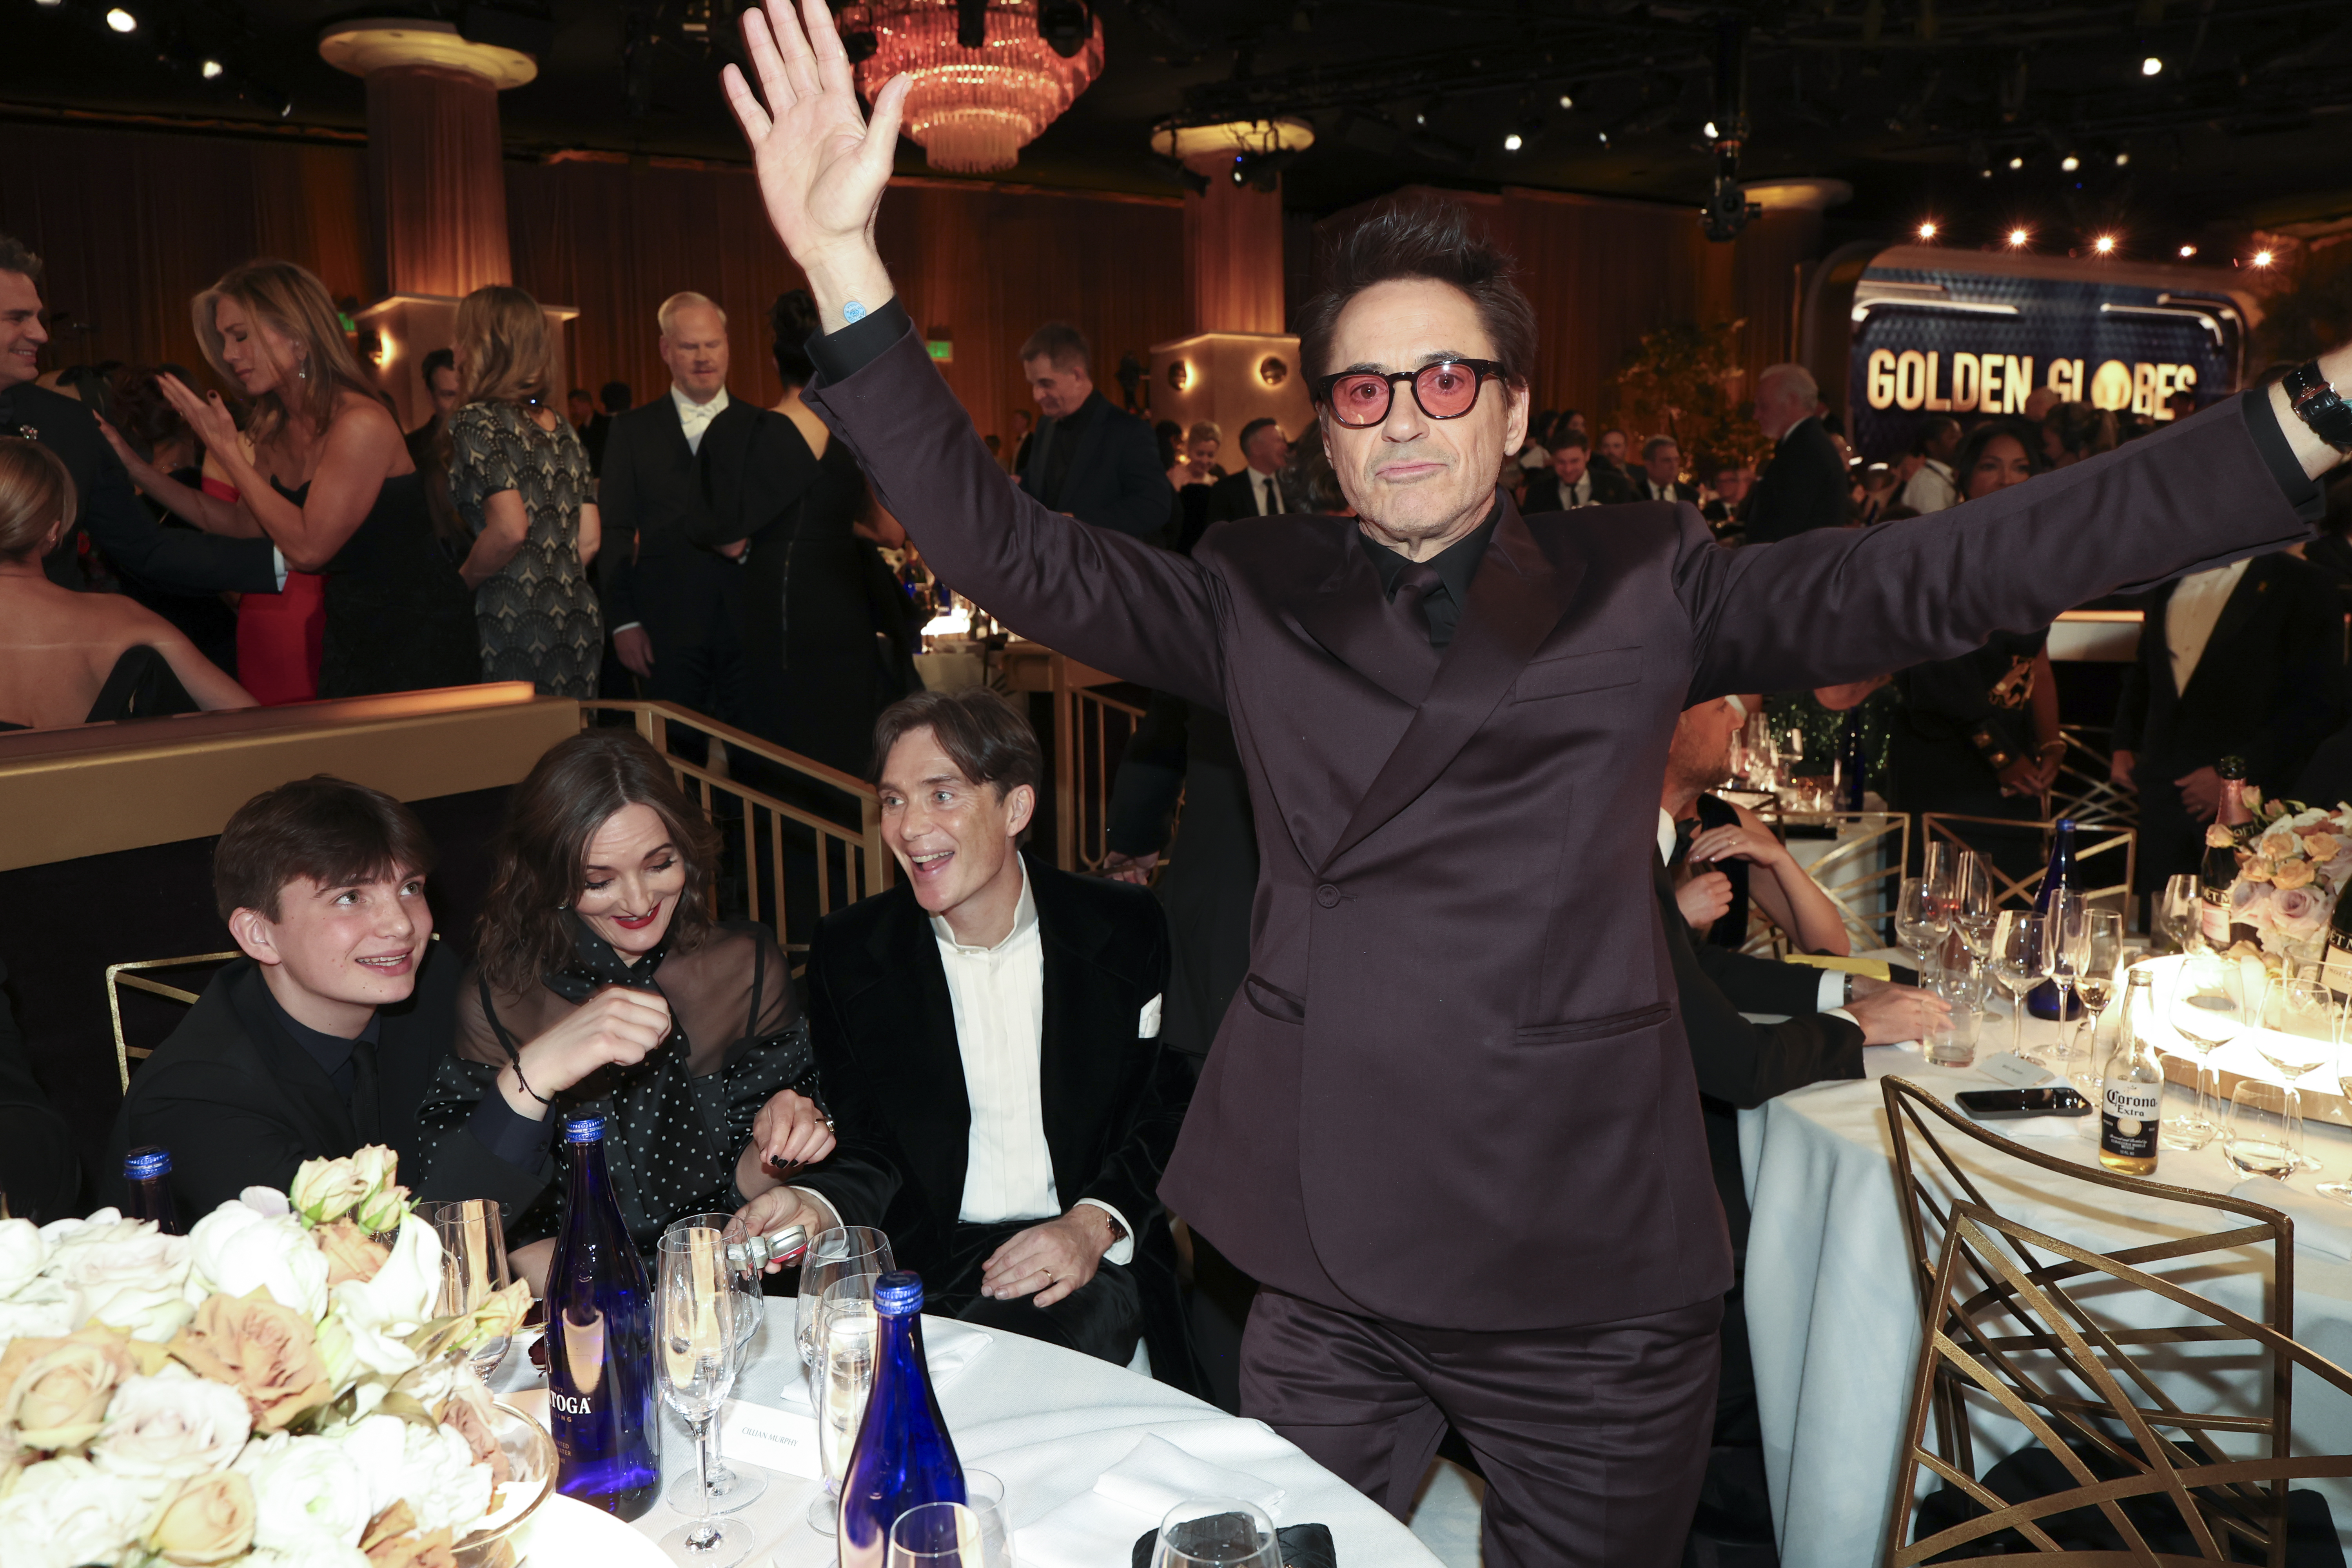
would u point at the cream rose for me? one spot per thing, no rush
(236, 1251)
(350, 1255)
(66, 1512)
(2320, 846)
(2257, 868)
(2293, 874)
(125, 1274)
(380, 1313)
(266, 1351)
(431, 1468)
(327, 1189)
(208, 1520)
(56, 1393)
(308, 1494)
(22, 1255)
(172, 1424)
(2219, 837)
(2297, 911)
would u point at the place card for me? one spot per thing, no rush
(2013, 1069)
(772, 1438)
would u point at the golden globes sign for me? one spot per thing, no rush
(1965, 383)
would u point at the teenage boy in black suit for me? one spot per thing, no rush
(988, 1034)
(323, 1036)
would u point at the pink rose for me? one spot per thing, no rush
(2247, 899)
(2297, 911)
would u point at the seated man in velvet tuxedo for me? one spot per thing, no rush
(323, 1036)
(988, 1035)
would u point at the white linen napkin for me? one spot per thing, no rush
(1099, 1527)
(2321, 1224)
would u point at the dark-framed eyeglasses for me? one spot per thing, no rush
(1446, 390)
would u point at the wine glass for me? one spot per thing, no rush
(2301, 1026)
(984, 1495)
(835, 1255)
(847, 1334)
(1937, 859)
(2341, 1190)
(2066, 951)
(2264, 1134)
(727, 1489)
(2208, 1009)
(1216, 1532)
(473, 1267)
(937, 1536)
(694, 1359)
(2016, 952)
(1921, 921)
(2102, 960)
(2178, 910)
(1975, 909)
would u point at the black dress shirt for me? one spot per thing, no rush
(340, 1058)
(1456, 566)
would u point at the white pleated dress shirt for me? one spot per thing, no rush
(2189, 615)
(999, 997)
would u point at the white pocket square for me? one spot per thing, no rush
(1147, 1024)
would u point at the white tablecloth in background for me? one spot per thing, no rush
(1833, 1317)
(1046, 1422)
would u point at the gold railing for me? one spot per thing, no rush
(1090, 734)
(849, 861)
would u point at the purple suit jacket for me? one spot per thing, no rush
(1453, 1090)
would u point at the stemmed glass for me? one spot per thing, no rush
(1921, 921)
(473, 1266)
(727, 1489)
(2066, 951)
(1216, 1532)
(2341, 1190)
(2208, 1009)
(1974, 910)
(2016, 957)
(937, 1536)
(695, 1354)
(841, 1253)
(847, 1333)
(2301, 1026)
(2178, 910)
(2096, 982)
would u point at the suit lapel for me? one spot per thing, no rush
(1515, 599)
(1348, 614)
(909, 1046)
(2250, 595)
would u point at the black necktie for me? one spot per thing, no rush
(1414, 584)
(367, 1109)
(1272, 502)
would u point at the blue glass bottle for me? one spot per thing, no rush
(599, 1341)
(903, 1456)
(147, 1171)
(2043, 1000)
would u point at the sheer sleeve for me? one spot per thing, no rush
(471, 1148)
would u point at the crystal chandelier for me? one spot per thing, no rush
(972, 109)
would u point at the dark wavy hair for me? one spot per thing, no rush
(1405, 238)
(573, 790)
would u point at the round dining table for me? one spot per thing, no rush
(1090, 1456)
(1834, 1310)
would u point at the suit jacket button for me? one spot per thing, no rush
(1327, 895)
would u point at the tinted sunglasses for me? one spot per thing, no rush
(1446, 390)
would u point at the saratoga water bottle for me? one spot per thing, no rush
(147, 1171)
(599, 1341)
(2043, 1000)
(903, 1456)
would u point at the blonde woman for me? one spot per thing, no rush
(321, 471)
(519, 478)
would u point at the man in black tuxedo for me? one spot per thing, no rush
(1570, 480)
(988, 1034)
(109, 512)
(2244, 660)
(38, 1170)
(612, 400)
(441, 386)
(1256, 490)
(1098, 463)
(1804, 485)
(323, 1037)
(675, 608)
(1661, 475)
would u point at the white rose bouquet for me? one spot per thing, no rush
(2294, 861)
(270, 1388)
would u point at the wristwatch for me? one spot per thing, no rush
(2315, 404)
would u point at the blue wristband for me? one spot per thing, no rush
(853, 311)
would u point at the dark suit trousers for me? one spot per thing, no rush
(1103, 1318)
(1593, 1440)
(692, 607)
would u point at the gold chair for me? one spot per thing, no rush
(1861, 873)
(2029, 1324)
(120, 974)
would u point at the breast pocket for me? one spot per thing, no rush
(1572, 673)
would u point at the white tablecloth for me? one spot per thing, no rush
(1048, 1423)
(1833, 1317)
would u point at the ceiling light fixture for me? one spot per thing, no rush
(2018, 236)
(1709, 131)
(2017, 162)
(121, 21)
(2264, 258)
(2122, 159)
(973, 109)
(1511, 142)
(2187, 251)
(2070, 162)
(1927, 229)
(2104, 245)
(211, 69)
(2150, 66)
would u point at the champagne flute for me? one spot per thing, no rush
(473, 1267)
(835, 1254)
(695, 1360)
(1936, 862)
(1974, 910)
(725, 1489)
(2208, 1009)
(2301, 1023)
(2178, 909)
(2096, 985)
(847, 1333)
(2016, 948)
(2066, 943)
(1921, 921)
(1216, 1532)
(937, 1536)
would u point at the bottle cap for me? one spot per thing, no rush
(898, 1294)
(583, 1130)
(2066, 825)
(146, 1161)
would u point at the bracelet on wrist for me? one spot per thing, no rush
(516, 1063)
(2315, 403)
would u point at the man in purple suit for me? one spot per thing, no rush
(1450, 1122)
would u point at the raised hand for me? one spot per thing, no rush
(822, 166)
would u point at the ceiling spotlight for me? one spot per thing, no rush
(2187, 251)
(2017, 162)
(1512, 143)
(1567, 100)
(2019, 236)
(2122, 159)
(1709, 131)
(1984, 174)
(2070, 162)
(2104, 245)
(2150, 66)
(2264, 257)
(1604, 138)
(211, 69)
(49, 3)
(1927, 229)
(121, 21)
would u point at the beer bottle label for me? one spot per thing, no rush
(2127, 1118)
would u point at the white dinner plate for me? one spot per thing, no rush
(564, 1532)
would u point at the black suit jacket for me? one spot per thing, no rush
(1640, 484)
(884, 1030)
(1420, 984)
(2268, 688)
(109, 511)
(39, 1170)
(240, 1103)
(1802, 487)
(1609, 489)
(644, 489)
(1231, 497)
(1115, 480)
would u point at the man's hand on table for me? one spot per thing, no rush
(1703, 900)
(1890, 1014)
(1050, 1260)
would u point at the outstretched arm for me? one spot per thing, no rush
(1111, 601)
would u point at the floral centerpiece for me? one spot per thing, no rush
(271, 1388)
(2294, 861)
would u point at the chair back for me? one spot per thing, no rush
(2106, 853)
(118, 975)
(2041, 1329)
(1861, 873)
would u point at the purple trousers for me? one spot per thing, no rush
(1593, 1439)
